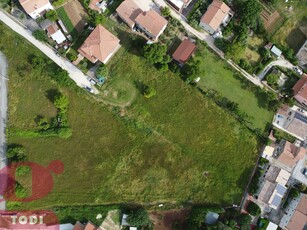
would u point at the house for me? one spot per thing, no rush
(151, 23)
(300, 90)
(128, 10)
(100, 45)
(55, 33)
(291, 154)
(184, 51)
(277, 52)
(98, 5)
(35, 8)
(292, 120)
(302, 56)
(299, 218)
(274, 188)
(88, 226)
(178, 5)
(218, 13)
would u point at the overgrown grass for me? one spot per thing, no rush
(215, 74)
(289, 34)
(175, 146)
(68, 24)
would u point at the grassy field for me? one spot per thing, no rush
(216, 75)
(251, 52)
(176, 146)
(289, 34)
(68, 24)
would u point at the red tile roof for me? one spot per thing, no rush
(184, 51)
(300, 87)
(153, 22)
(128, 11)
(299, 218)
(99, 45)
(31, 5)
(215, 14)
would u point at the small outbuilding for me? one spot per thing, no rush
(184, 51)
(277, 52)
(211, 218)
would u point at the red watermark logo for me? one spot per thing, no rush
(42, 184)
(42, 180)
(29, 220)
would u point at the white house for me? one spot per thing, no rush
(35, 8)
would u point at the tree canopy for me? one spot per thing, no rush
(40, 35)
(248, 11)
(61, 102)
(156, 54)
(52, 15)
(139, 218)
(253, 209)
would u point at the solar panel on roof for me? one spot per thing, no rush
(281, 189)
(276, 200)
(300, 117)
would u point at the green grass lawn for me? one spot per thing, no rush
(216, 75)
(157, 150)
(289, 34)
(68, 24)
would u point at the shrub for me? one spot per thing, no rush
(16, 153)
(165, 11)
(139, 218)
(102, 70)
(52, 15)
(40, 35)
(149, 92)
(253, 209)
(23, 170)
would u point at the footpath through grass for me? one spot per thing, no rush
(176, 146)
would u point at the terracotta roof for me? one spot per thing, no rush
(90, 226)
(93, 5)
(99, 45)
(32, 5)
(79, 226)
(283, 110)
(184, 51)
(299, 218)
(291, 154)
(299, 88)
(128, 11)
(152, 22)
(52, 29)
(215, 14)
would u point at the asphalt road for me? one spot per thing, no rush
(74, 73)
(3, 115)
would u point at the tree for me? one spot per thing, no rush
(243, 219)
(149, 92)
(52, 15)
(155, 53)
(235, 51)
(16, 154)
(139, 218)
(61, 102)
(253, 209)
(272, 80)
(40, 35)
(249, 11)
(102, 70)
(165, 11)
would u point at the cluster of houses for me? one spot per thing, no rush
(101, 44)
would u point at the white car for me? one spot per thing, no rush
(298, 70)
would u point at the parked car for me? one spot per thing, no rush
(298, 70)
(92, 81)
(89, 89)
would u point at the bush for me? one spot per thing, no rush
(139, 218)
(40, 35)
(149, 92)
(272, 80)
(23, 170)
(102, 70)
(52, 15)
(16, 153)
(165, 11)
(253, 209)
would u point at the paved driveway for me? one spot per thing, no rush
(3, 116)
(281, 62)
